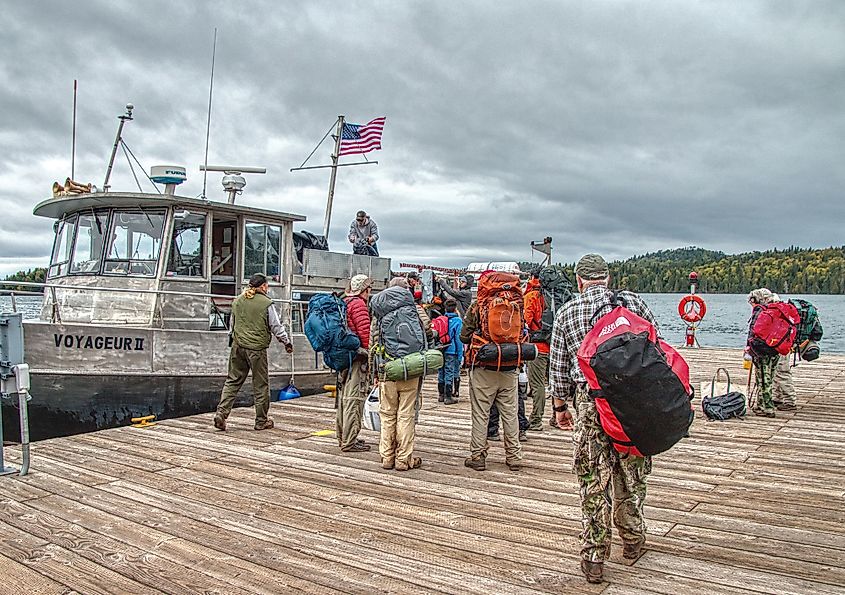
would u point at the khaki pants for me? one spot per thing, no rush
(398, 409)
(609, 481)
(783, 390)
(485, 388)
(350, 407)
(538, 375)
(241, 361)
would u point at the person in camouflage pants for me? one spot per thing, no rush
(765, 364)
(608, 481)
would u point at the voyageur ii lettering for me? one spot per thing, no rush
(99, 342)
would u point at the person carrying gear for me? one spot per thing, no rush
(363, 235)
(463, 295)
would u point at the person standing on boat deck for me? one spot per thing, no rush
(363, 235)
(609, 482)
(354, 383)
(765, 366)
(463, 294)
(398, 403)
(254, 323)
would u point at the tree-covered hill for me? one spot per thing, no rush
(36, 275)
(793, 270)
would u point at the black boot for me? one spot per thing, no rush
(457, 388)
(448, 398)
(440, 387)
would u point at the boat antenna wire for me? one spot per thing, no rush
(208, 121)
(143, 169)
(73, 137)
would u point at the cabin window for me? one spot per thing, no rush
(263, 249)
(61, 249)
(134, 242)
(186, 248)
(88, 246)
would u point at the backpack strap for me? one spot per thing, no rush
(614, 301)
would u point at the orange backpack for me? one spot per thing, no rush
(500, 318)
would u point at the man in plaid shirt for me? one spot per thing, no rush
(608, 480)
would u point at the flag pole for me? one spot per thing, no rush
(333, 178)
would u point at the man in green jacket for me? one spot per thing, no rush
(254, 323)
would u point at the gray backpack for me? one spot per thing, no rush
(400, 330)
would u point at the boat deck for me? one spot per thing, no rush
(753, 506)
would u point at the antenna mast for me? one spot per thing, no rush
(208, 123)
(333, 177)
(123, 119)
(73, 137)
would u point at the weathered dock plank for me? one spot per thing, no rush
(753, 506)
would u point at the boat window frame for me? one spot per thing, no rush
(205, 235)
(79, 215)
(113, 218)
(69, 222)
(278, 279)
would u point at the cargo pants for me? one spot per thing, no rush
(485, 388)
(765, 368)
(783, 390)
(608, 481)
(350, 406)
(398, 411)
(538, 375)
(241, 361)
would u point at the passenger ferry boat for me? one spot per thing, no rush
(137, 304)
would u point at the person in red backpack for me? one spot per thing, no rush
(453, 354)
(765, 364)
(538, 369)
(354, 383)
(609, 482)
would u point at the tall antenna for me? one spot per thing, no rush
(208, 123)
(73, 137)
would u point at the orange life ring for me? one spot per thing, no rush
(692, 308)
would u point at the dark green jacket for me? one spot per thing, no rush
(252, 327)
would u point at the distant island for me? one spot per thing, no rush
(793, 270)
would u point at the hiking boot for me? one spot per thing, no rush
(388, 463)
(478, 463)
(415, 463)
(593, 571)
(357, 447)
(523, 437)
(449, 398)
(267, 425)
(220, 422)
(763, 412)
(786, 407)
(535, 426)
(495, 437)
(553, 422)
(632, 551)
(514, 465)
(440, 396)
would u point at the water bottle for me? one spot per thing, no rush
(523, 381)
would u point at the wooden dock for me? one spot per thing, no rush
(753, 506)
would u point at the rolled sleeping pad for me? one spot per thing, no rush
(413, 365)
(506, 353)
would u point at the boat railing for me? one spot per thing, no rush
(298, 308)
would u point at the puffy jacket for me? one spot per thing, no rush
(358, 318)
(533, 310)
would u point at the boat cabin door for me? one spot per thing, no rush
(224, 259)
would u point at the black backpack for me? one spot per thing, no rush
(556, 289)
(723, 407)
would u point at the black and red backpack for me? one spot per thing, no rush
(639, 382)
(775, 329)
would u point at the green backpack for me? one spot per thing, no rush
(810, 328)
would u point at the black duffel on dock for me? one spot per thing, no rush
(746, 506)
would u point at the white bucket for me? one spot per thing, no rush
(371, 420)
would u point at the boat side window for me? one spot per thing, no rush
(263, 249)
(88, 246)
(134, 242)
(186, 246)
(62, 246)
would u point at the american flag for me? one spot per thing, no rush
(361, 138)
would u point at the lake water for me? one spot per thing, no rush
(724, 325)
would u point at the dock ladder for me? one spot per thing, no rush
(14, 379)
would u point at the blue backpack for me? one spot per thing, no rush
(328, 332)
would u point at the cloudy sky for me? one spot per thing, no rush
(617, 127)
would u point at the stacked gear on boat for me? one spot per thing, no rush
(810, 330)
(328, 332)
(500, 341)
(640, 384)
(402, 350)
(775, 329)
(556, 289)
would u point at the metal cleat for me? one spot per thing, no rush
(143, 422)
